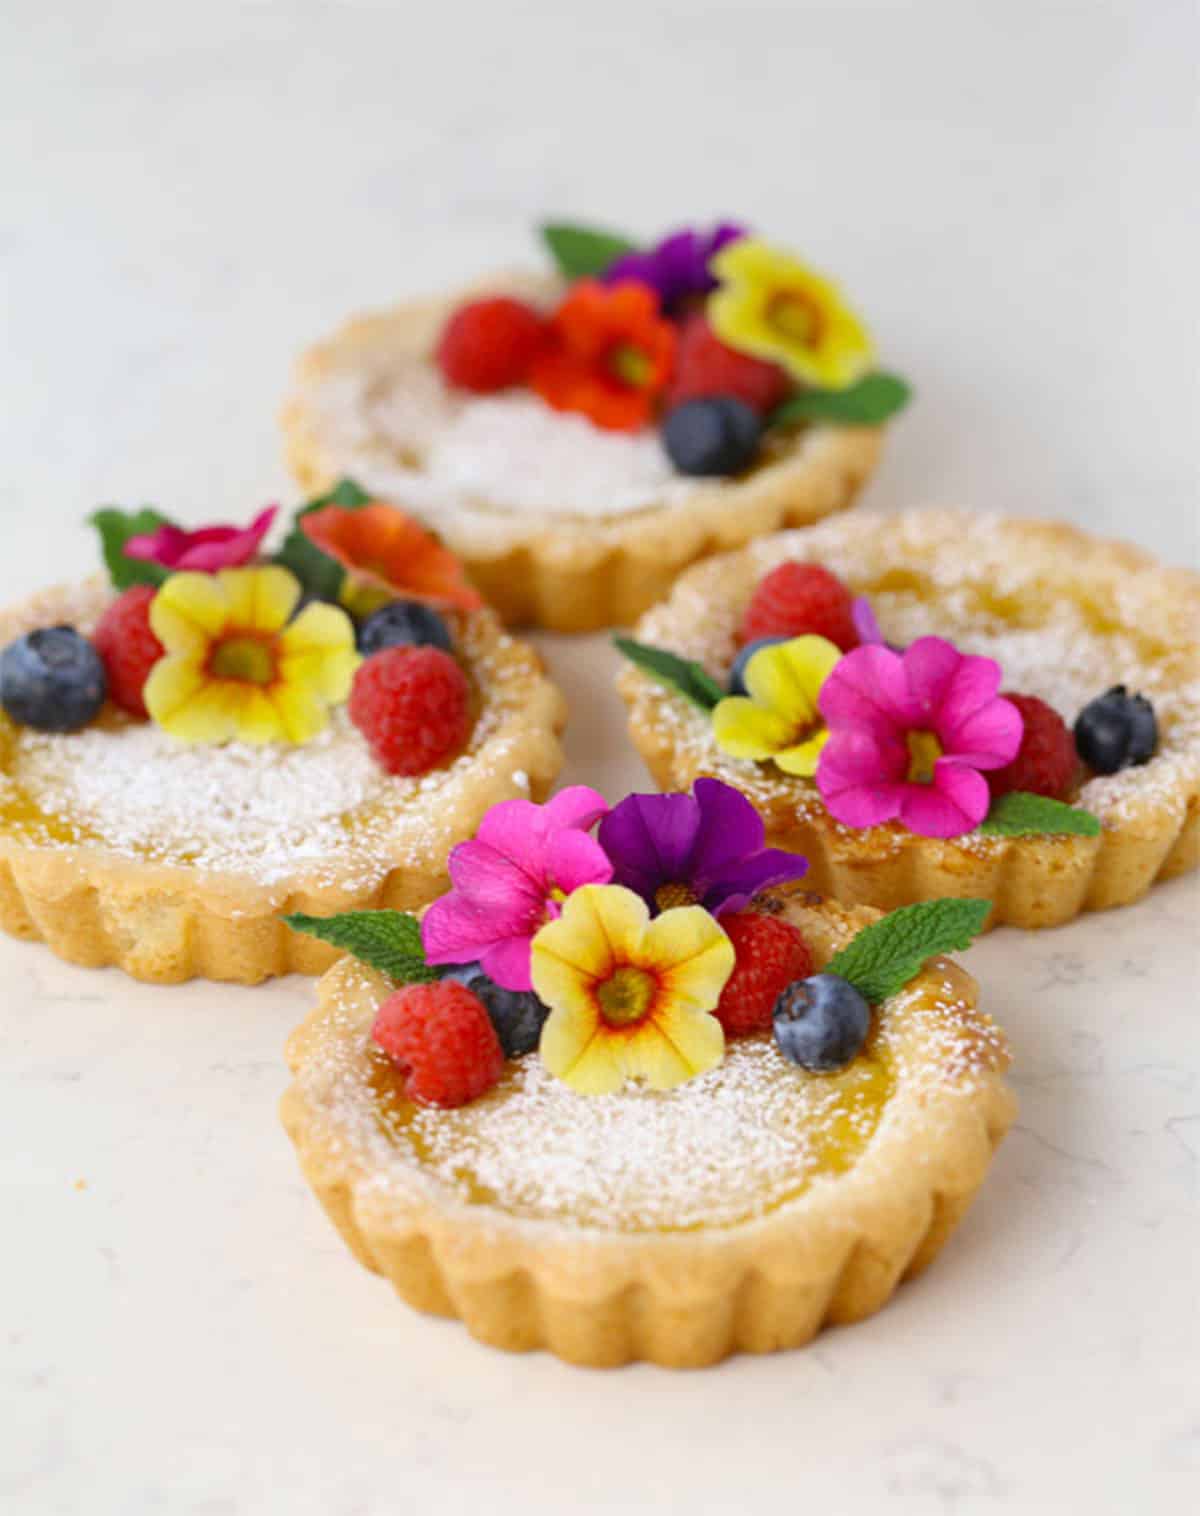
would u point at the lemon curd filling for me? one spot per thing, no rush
(721, 1149)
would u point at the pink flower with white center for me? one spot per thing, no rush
(910, 733)
(206, 550)
(512, 878)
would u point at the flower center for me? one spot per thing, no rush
(248, 659)
(626, 995)
(924, 750)
(630, 365)
(668, 896)
(794, 316)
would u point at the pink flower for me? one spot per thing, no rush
(524, 860)
(207, 550)
(909, 733)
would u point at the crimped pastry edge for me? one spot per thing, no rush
(834, 1255)
(570, 575)
(165, 924)
(1033, 882)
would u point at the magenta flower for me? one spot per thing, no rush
(705, 849)
(677, 267)
(511, 879)
(909, 734)
(206, 550)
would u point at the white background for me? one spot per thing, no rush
(187, 195)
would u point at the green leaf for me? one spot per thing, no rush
(317, 572)
(583, 251)
(389, 941)
(680, 674)
(866, 403)
(888, 953)
(1019, 814)
(116, 527)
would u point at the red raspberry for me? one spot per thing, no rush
(1046, 761)
(442, 1040)
(705, 366)
(801, 597)
(413, 705)
(490, 344)
(771, 953)
(128, 647)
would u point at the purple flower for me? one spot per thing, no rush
(705, 848)
(678, 265)
(865, 624)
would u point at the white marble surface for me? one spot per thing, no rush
(190, 193)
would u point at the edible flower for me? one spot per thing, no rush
(909, 734)
(705, 849)
(237, 666)
(866, 623)
(772, 306)
(780, 718)
(385, 555)
(511, 878)
(609, 354)
(629, 997)
(206, 550)
(677, 267)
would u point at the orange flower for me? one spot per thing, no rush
(609, 354)
(386, 554)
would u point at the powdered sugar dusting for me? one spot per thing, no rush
(405, 435)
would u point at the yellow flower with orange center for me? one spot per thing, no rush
(237, 666)
(779, 718)
(629, 997)
(772, 306)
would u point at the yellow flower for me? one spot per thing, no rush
(236, 666)
(780, 719)
(775, 307)
(629, 997)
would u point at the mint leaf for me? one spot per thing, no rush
(389, 941)
(866, 403)
(1020, 814)
(888, 953)
(320, 575)
(583, 251)
(680, 674)
(116, 527)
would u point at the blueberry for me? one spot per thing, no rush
(1116, 730)
(716, 435)
(52, 680)
(517, 1015)
(737, 683)
(821, 1022)
(403, 623)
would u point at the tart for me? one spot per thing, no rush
(715, 1198)
(1072, 621)
(170, 851)
(567, 484)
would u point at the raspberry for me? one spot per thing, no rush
(771, 954)
(1046, 761)
(440, 1037)
(490, 344)
(412, 704)
(797, 598)
(128, 648)
(705, 366)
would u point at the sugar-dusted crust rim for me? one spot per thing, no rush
(168, 923)
(1154, 834)
(834, 1254)
(574, 575)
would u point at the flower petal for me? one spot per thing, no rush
(745, 730)
(577, 806)
(673, 1046)
(974, 724)
(758, 871)
(173, 682)
(508, 963)
(300, 714)
(931, 665)
(188, 612)
(955, 802)
(804, 756)
(517, 829)
(650, 840)
(690, 954)
(869, 689)
(574, 859)
(861, 779)
(788, 676)
(497, 886)
(574, 1047)
(260, 599)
